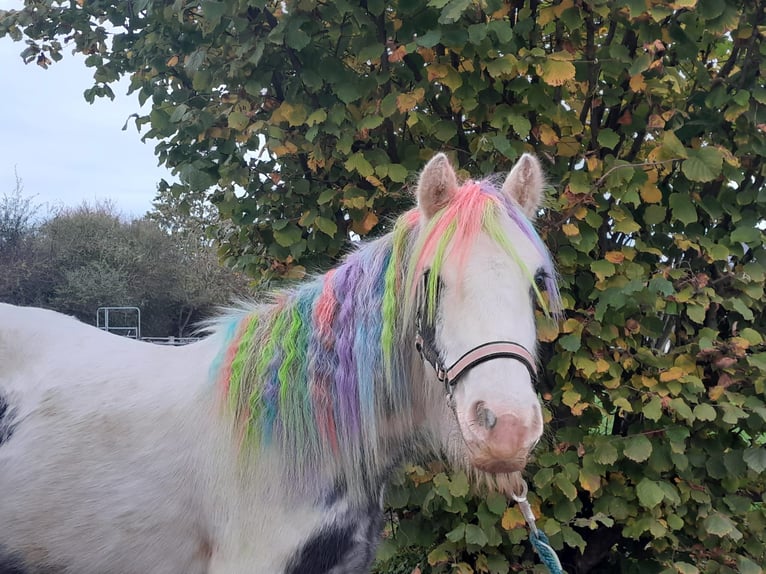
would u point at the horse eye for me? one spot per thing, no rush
(541, 279)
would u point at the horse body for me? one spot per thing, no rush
(265, 447)
(132, 473)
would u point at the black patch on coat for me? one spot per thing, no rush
(9, 564)
(7, 426)
(338, 493)
(324, 551)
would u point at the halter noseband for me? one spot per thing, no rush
(425, 344)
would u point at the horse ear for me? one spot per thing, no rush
(437, 185)
(525, 185)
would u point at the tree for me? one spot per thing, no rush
(188, 221)
(17, 217)
(84, 258)
(305, 119)
(18, 224)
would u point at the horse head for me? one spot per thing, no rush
(481, 271)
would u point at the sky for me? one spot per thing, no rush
(65, 150)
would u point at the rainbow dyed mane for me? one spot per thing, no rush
(320, 369)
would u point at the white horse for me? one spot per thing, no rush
(264, 448)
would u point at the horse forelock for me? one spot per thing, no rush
(324, 367)
(478, 207)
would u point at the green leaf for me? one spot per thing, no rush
(397, 172)
(608, 138)
(703, 164)
(357, 162)
(653, 409)
(289, 235)
(475, 535)
(497, 503)
(685, 568)
(238, 121)
(721, 525)
(682, 208)
(638, 448)
(326, 226)
(430, 38)
(704, 412)
(459, 484)
(746, 234)
(567, 488)
(453, 10)
(213, 11)
(747, 566)
(755, 458)
(649, 493)
(457, 534)
(605, 452)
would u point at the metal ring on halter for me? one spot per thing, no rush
(524, 491)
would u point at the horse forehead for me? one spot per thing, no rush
(487, 259)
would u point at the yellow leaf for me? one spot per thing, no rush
(563, 55)
(568, 146)
(556, 72)
(295, 115)
(284, 149)
(615, 257)
(602, 366)
(672, 374)
(623, 403)
(427, 54)
(615, 383)
(716, 392)
(579, 408)
(650, 193)
(547, 135)
(512, 518)
(648, 382)
(406, 102)
(570, 229)
(571, 325)
(728, 157)
(570, 398)
(398, 54)
(363, 227)
(547, 329)
(375, 181)
(437, 71)
(296, 272)
(590, 482)
(594, 164)
(637, 83)
(655, 122)
(546, 15)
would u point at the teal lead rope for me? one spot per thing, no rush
(538, 538)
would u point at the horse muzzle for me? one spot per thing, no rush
(500, 443)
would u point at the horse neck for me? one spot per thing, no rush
(321, 378)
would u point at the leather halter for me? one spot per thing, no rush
(426, 345)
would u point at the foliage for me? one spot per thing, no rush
(84, 258)
(307, 118)
(17, 217)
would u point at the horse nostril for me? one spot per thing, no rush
(484, 416)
